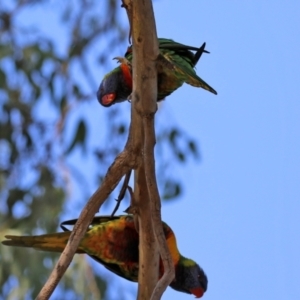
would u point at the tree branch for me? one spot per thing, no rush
(145, 54)
(149, 161)
(124, 162)
(148, 252)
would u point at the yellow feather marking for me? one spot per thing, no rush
(172, 245)
(188, 262)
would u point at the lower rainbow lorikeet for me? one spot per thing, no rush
(177, 68)
(113, 242)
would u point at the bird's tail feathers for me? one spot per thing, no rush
(198, 82)
(54, 242)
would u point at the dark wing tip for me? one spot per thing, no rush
(214, 91)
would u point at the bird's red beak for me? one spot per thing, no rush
(198, 292)
(108, 99)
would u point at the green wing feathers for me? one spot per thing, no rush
(183, 62)
(184, 70)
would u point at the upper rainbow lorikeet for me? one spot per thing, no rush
(113, 242)
(178, 68)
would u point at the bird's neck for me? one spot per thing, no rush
(126, 70)
(186, 261)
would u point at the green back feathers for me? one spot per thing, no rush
(183, 61)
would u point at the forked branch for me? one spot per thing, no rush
(139, 155)
(123, 163)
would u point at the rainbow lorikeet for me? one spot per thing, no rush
(176, 67)
(113, 242)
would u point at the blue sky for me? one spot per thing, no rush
(239, 214)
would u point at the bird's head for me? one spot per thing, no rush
(115, 87)
(189, 278)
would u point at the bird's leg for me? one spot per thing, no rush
(122, 192)
(133, 208)
(129, 98)
(123, 60)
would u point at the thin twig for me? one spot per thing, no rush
(127, 4)
(122, 192)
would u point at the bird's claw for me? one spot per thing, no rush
(122, 60)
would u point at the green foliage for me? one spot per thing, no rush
(46, 82)
(79, 137)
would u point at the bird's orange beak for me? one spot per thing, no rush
(108, 99)
(198, 292)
